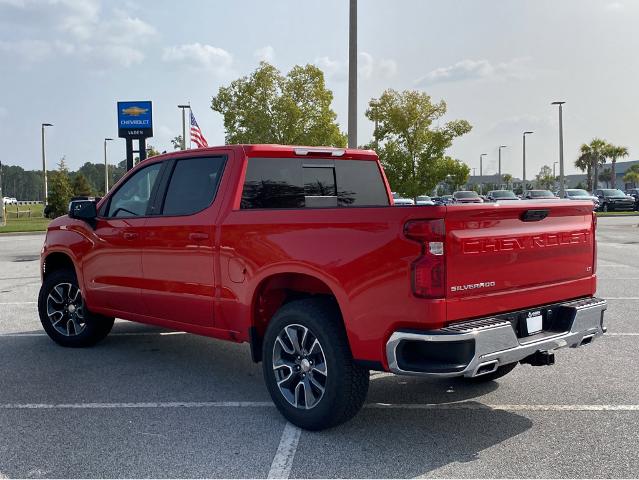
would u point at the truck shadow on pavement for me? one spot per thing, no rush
(402, 441)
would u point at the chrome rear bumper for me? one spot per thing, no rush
(485, 344)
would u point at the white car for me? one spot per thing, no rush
(398, 200)
(424, 200)
(9, 200)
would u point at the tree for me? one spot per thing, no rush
(606, 176)
(268, 107)
(508, 178)
(410, 148)
(584, 164)
(60, 191)
(545, 178)
(597, 156)
(614, 152)
(81, 186)
(151, 151)
(632, 175)
(177, 142)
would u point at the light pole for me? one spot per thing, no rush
(2, 220)
(44, 164)
(523, 187)
(500, 147)
(106, 167)
(481, 173)
(184, 107)
(561, 147)
(352, 74)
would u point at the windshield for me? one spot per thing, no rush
(613, 192)
(577, 193)
(504, 194)
(466, 195)
(423, 198)
(541, 194)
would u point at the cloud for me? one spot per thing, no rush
(200, 57)
(265, 54)
(516, 68)
(367, 67)
(81, 28)
(614, 6)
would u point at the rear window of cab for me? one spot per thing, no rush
(275, 183)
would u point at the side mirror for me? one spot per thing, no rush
(84, 210)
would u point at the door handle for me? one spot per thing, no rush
(130, 235)
(198, 236)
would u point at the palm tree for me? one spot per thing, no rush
(507, 178)
(632, 175)
(584, 163)
(598, 148)
(614, 152)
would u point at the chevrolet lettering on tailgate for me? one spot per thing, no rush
(544, 240)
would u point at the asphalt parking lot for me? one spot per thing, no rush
(151, 403)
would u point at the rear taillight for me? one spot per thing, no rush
(429, 270)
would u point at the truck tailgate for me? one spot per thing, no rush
(505, 257)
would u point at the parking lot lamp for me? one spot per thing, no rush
(500, 147)
(44, 164)
(561, 147)
(523, 188)
(106, 167)
(184, 107)
(481, 173)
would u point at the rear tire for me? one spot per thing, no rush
(489, 377)
(64, 315)
(308, 366)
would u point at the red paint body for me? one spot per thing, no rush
(223, 270)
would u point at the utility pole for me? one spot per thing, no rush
(44, 165)
(2, 216)
(352, 75)
(561, 148)
(184, 107)
(523, 187)
(500, 147)
(106, 167)
(481, 173)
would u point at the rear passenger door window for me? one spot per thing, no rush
(192, 186)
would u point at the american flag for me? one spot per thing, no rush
(196, 134)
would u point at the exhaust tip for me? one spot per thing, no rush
(486, 368)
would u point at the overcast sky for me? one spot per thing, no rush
(497, 63)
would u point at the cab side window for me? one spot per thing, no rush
(132, 199)
(193, 185)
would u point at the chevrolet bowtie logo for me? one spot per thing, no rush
(134, 111)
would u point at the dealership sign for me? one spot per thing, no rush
(135, 119)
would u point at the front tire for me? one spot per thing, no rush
(308, 367)
(64, 315)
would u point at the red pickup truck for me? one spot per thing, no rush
(301, 253)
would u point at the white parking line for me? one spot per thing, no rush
(283, 460)
(122, 334)
(289, 435)
(18, 303)
(621, 298)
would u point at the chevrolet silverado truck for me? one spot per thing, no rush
(299, 252)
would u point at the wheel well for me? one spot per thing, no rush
(57, 261)
(276, 291)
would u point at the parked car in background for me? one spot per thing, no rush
(539, 195)
(442, 199)
(613, 199)
(634, 193)
(424, 200)
(466, 196)
(399, 201)
(501, 196)
(10, 200)
(579, 194)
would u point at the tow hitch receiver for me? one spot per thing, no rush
(540, 359)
